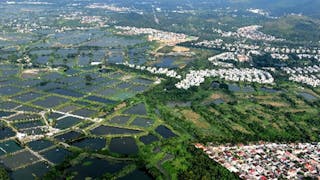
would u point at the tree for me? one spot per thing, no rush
(88, 79)
(202, 167)
(4, 174)
(65, 61)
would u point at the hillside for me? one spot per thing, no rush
(281, 7)
(298, 28)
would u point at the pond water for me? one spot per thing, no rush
(72, 80)
(308, 96)
(8, 105)
(105, 70)
(138, 88)
(6, 113)
(138, 109)
(53, 76)
(123, 85)
(148, 139)
(218, 101)
(72, 71)
(27, 96)
(27, 173)
(9, 90)
(85, 124)
(143, 81)
(45, 86)
(120, 119)
(66, 92)
(115, 59)
(30, 83)
(24, 116)
(84, 112)
(83, 103)
(142, 122)
(122, 95)
(72, 37)
(165, 132)
(42, 59)
(248, 89)
(29, 124)
(137, 175)
(215, 85)
(56, 155)
(166, 62)
(123, 145)
(179, 104)
(137, 60)
(28, 109)
(69, 108)
(18, 159)
(95, 168)
(10, 72)
(41, 52)
(108, 92)
(116, 75)
(109, 130)
(50, 102)
(234, 88)
(66, 52)
(67, 122)
(92, 144)
(54, 116)
(269, 90)
(100, 100)
(6, 132)
(69, 136)
(39, 145)
(84, 60)
(112, 41)
(9, 146)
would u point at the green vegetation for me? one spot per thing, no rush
(4, 174)
(203, 168)
(295, 28)
(106, 113)
(243, 117)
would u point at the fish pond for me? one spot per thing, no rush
(123, 145)
(308, 96)
(110, 130)
(92, 167)
(92, 144)
(165, 132)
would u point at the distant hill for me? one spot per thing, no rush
(277, 7)
(281, 7)
(298, 28)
